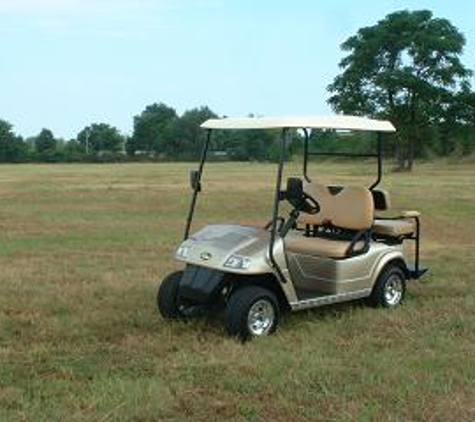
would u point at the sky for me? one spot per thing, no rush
(65, 64)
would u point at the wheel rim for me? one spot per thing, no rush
(260, 318)
(393, 290)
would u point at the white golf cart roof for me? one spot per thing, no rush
(329, 122)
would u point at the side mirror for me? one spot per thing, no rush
(195, 180)
(294, 192)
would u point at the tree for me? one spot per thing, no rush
(457, 128)
(153, 129)
(12, 147)
(405, 68)
(259, 145)
(188, 137)
(45, 142)
(99, 138)
(73, 151)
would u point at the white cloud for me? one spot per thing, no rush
(82, 17)
(99, 6)
(34, 6)
(128, 18)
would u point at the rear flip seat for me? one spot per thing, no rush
(393, 228)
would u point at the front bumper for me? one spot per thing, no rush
(201, 285)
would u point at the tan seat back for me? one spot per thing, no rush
(350, 208)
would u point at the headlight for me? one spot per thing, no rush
(183, 251)
(238, 262)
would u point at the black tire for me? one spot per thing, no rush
(381, 294)
(168, 296)
(238, 310)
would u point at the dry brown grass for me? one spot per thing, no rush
(82, 249)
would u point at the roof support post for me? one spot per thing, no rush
(277, 198)
(380, 161)
(197, 189)
(305, 154)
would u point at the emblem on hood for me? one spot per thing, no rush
(206, 256)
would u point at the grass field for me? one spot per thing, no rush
(82, 248)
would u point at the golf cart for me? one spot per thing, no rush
(330, 247)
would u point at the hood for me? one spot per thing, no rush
(213, 245)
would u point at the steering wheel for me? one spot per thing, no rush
(300, 200)
(309, 204)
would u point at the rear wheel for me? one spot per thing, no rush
(390, 288)
(252, 311)
(168, 297)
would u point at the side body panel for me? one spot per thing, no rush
(337, 276)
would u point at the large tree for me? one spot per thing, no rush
(153, 129)
(101, 137)
(406, 68)
(457, 129)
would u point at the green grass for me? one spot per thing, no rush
(82, 248)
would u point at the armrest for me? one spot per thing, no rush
(410, 214)
(361, 235)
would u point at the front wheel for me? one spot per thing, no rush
(252, 311)
(168, 296)
(390, 288)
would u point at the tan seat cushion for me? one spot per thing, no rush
(298, 243)
(393, 228)
(350, 208)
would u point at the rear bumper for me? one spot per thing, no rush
(415, 274)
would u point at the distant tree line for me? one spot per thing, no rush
(159, 133)
(406, 68)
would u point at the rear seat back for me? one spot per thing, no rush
(381, 198)
(350, 208)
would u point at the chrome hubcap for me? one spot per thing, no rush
(260, 318)
(393, 290)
